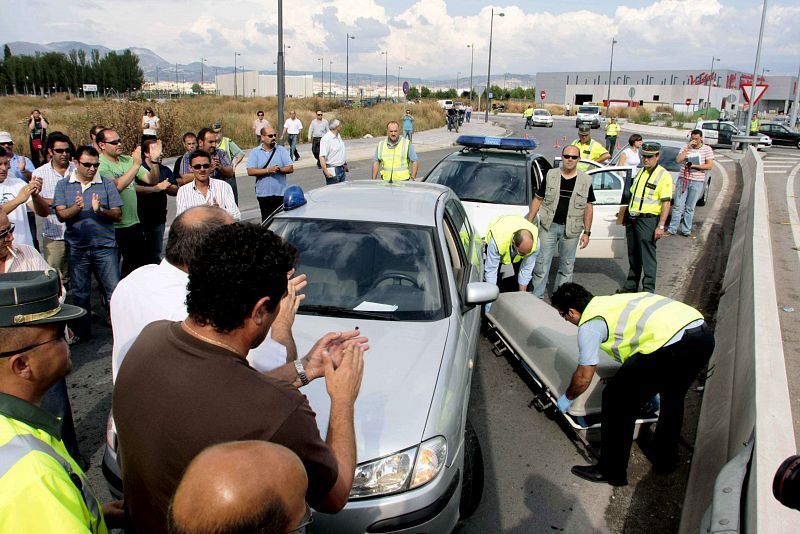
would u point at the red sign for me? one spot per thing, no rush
(747, 89)
(543, 95)
(688, 101)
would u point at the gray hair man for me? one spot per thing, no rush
(332, 155)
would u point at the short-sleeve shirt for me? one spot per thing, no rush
(87, 229)
(219, 192)
(14, 169)
(332, 148)
(564, 196)
(697, 156)
(152, 207)
(163, 423)
(111, 171)
(293, 126)
(52, 228)
(9, 189)
(273, 184)
(408, 123)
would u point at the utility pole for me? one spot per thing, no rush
(330, 76)
(471, 63)
(281, 72)
(176, 80)
(386, 79)
(610, 66)
(751, 108)
(710, 82)
(235, 71)
(347, 69)
(489, 69)
(202, 77)
(322, 76)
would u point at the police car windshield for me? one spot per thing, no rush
(358, 269)
(482, 181)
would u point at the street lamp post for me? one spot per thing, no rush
(610, 66)
(751, 108)
(202, 73)
(281, 68)
(330, 76)
(347, 69)
(235, 70)
(471, 63)
(489, 69)
(322, 76)
(386, 79)
(458, 75)
(710, 81)
(399, 68)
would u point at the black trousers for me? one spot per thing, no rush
(132, 249)
(315, 148)
(669, 371)
(642, 260)
(268, 205)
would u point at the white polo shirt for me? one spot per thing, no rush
(293, 126)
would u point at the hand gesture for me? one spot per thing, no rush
(584, 240)
(156, 149)
(292, 299)
(137, 155)
(161, 186)
(95, 202)
(214, 163)
(37, 181)
(344, 382)
(79, 200)
(26, 192)
(331, 345)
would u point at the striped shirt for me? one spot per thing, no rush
(52, 228)
(219, 193)
(698, 156)
(27, 259)
(87, 229)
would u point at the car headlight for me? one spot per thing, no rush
(400, 471)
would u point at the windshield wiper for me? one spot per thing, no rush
(337, 311)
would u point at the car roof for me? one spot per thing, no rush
(402, 202)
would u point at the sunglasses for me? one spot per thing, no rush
(89, 165)
(201, 166)
(9, 143)
(570, 156)
(269, 135)
(114, 142)
(7, 232)
(31, 347)
(319, 114)
(647, 156)
(62, 150)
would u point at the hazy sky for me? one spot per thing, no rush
(428, 37)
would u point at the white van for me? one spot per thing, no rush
(445, 104)
(588, 114)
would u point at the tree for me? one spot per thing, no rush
(413, 93)
(196, 89)
(6, 52)
(425, 92)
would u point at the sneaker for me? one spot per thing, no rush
(668, 233)
(690, 236)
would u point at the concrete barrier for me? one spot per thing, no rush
(747, 395)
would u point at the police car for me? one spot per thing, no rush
(496, 176)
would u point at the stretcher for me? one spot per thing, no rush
(546, 346)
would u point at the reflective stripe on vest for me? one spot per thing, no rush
(394, 161)
(502, 230)
(23, 444)
(224, 145)
(643, 200)
(639, 322)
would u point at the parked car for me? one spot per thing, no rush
(719, 133)
(588, 114)
(498, 176)
(780, 134)
(542, 117)
(667, 159)
(500, 108)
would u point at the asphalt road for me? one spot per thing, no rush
(527, 454)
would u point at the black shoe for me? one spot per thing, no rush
(625, 290)
(592, 474)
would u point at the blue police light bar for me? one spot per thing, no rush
(502, 143)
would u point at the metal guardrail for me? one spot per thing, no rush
(748, 394)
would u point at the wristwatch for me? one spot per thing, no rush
(301, 372)
(588, 232)
(660, 226)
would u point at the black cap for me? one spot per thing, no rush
(650, 148)
(32, 298)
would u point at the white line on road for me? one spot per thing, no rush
(712, 215)
(775, 172)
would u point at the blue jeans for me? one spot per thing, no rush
(104, 263)
(567, 247)
(338, 178)
(683, 207)
(408, 133)
(293, 138)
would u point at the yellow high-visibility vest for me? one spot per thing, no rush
(502, 230)
(638, 322)
(394, 160)
(613, 129)
(648, 190)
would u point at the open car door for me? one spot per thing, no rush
(608, 238)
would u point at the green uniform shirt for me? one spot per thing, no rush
(112, 171)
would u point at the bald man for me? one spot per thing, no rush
(241, 486)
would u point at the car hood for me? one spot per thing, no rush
(400, 372)
(481, 214)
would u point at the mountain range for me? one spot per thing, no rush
(155, 67)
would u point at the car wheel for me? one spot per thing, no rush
(798, 143)
(703, 199)
(472, 485)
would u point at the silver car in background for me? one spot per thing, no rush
(401, 262)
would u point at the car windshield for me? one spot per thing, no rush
(541, 112)
(588, 109)
(365, 269)
(482, 181)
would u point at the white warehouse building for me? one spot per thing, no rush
(251, 83)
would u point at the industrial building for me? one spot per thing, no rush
(251, 83)
(682, 90)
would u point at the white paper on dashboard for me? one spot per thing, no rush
(375, 306)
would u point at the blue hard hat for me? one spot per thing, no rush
(293, 197)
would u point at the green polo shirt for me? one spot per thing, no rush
(112, 171)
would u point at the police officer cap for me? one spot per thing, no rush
(584, 129)
(32, 298)
(651, 148)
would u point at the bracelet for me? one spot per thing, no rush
(301, 372)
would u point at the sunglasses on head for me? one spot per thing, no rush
(114, 142)
(199, 166)
(5, 233)
(62, 150)
(570, 156)
(89, 165)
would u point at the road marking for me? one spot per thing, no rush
(793, 217)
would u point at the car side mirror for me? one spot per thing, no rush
(481, 293)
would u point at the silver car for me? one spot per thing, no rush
(401, 262)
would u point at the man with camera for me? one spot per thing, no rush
(697, 158)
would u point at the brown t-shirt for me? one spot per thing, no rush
(175, 395)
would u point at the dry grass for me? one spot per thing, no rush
(76, 116)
